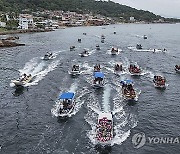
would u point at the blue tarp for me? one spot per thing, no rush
(68, 95)
(99, 75)
(127, 82)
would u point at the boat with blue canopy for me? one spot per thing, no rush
(128, 91)
(98, 80)
(65, 103)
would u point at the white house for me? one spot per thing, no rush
(2, 24)
(132, 19)
(26, 21)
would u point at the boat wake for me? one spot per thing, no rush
(148, 50)
(38, 69)
(106, 96)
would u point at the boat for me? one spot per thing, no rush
(159, 81)
(114, 51)
(72, 48)
(138, 46)
(177, 68)
(118, 68)
(79, 40)
(97, 47)
(23, 80)
(97, 68)
(104, 129)
(102, 37)
(85, 53)
(48, 56)
(128, 91)
(102, 40)
(98, 80)
(75, 70)
(66, 104)
(134, 69)
(145, 37)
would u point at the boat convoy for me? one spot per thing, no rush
(65, 103)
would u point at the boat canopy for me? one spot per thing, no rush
(68, 95)
(98, 75)
(126, 81)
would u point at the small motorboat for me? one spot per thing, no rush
(118, 67)
(145, 37)
(66, 104)
(79, 40)
(102, 40)
(23, 80)
(114, 51)
(75, 70)
(72, 48)
(134, 69)
(48, 56)
(84, 33)
(98, 80)
(102, 37)
(159, 81)
(85, 53)
(97, 68)
(138, 46)
(97, 47)
(128, 91)
(177, 68)
(104, 129)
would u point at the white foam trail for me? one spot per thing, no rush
(29, 66)
(73, 87)
(106, 96)
(12, 84)
(38, 68)
(40, 75)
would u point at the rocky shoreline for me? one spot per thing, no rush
(25, 31)
(5, 43)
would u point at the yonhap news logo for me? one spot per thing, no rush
(140, 139)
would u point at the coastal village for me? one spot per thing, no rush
(52, 20)
(56, 19)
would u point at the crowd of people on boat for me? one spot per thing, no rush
(104, 130)
(65, 106)
(25, 77)
(159, 80)
(97, 68)
(114, 50)
(75, 68)
(98, 80)
(138, 46)
(134, 69)
(128, 90)
(118, 67)
(177, 67)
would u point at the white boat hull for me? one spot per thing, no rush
(74, 73)
(98, 85)
(21, 83)
(177, 70)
